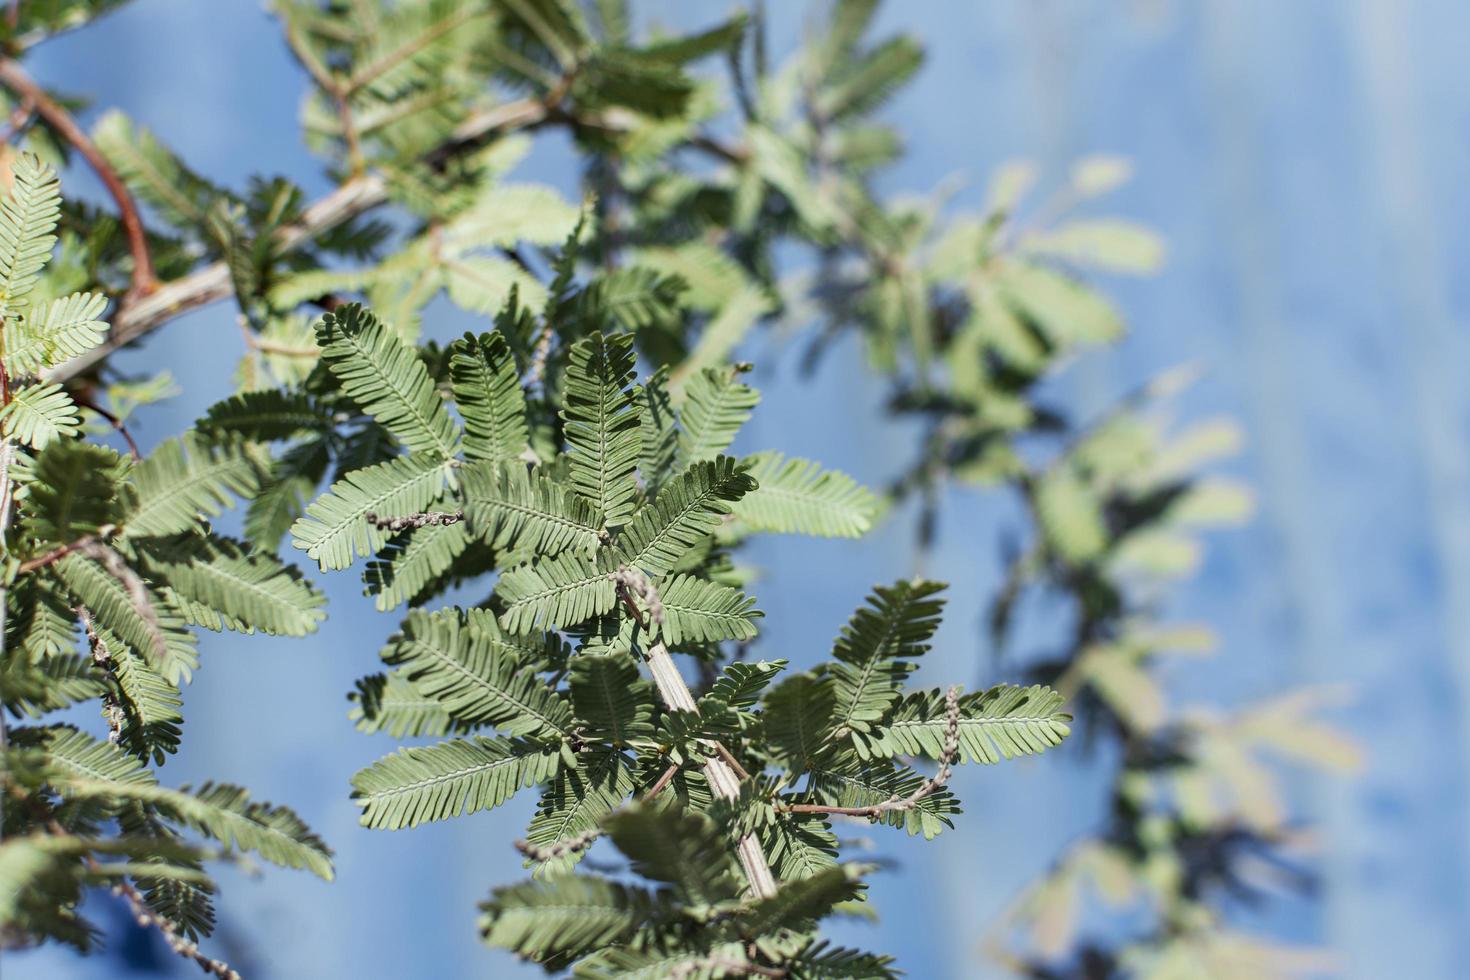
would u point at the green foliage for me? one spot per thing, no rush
(596, 521)
(124, 549)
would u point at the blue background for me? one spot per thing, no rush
(1306, 162)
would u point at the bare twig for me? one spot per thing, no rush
(949, 751)
(632, 582)
(112, 710)
(15, 78)
(430, 518)
(111, 419)
(570, 845)
(357, 196)
(663, 782)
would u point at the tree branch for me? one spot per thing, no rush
(948, 752)
(723, 782)
(15, 78)
(357, 196)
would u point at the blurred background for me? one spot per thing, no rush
(1306, 164)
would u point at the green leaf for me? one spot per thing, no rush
(81, 767)
(822, 962)
(602, 428)
(687, 509)
(385, 376)
(566, 916)
(72, 492)
(221, 583)
(1109, 245)
(411, 562)
(482, 375)
(699, 611)
(181, 197)
(479, 675)
(1001, 723)
(680, 847)
(797, 721)
(800, 903)
(874, 649)
(578, 800)
(863, 786)
(336, 528)
(1064, 310)
(715, 407)
(184, 478)
(1071, 516)
(513, 508)
(135, 613)
(741, 683)
(391, 703)
(267, 416)
(149, 702)
(796, 496)
(558, 592)
(55, 331)
(438, 782)
(28, 216)
(39, 414)
(863, 84)
(660, 432)
(613, 703)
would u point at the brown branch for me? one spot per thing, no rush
(357, 196)
(15, 78)
(55, 555)
(113, 420)
(663, 782)
(948, 752)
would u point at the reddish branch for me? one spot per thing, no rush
(15, 78)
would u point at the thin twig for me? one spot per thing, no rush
(663, 782)
(116, 423)
(212, 284)
(16, 78)
(570, 845)
(948, 752)
(428, 519)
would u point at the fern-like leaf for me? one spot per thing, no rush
(613, 703)
(385, 376)
(875, 650)
(335, 527)
(602, 428)
(482, 375)
(511, 507)
(699, 611)
(797, 496)
(687, 509)
(186, 477)
(438, 782)
(577, 801)
(556, 592)
(38, 415)
(28, 217)
(1002, 723)
(412, 561)
(715, 407)
(566, 917)
(480, 676)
